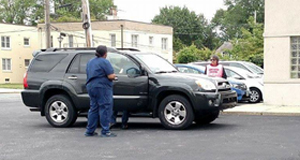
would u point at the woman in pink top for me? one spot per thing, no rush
(215, 69)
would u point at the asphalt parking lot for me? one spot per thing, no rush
(27, 135)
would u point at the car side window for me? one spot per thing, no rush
(230, 73)
(183, 69)
(79, 63)
(238, 65)
(188, 70)
(122, 65)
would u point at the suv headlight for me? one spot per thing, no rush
(206, 85)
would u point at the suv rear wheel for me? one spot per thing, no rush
(175, 112)
(60, 112)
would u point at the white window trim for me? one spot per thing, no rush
(25, 63)
(162, 43)
(6, 48)
(137, 40)
(28, 42)
(152, 38)
(111, 42)
(10, 65)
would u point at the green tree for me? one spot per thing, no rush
(188, 27)
(231, 21)
(20, 11)
(72, 11)
(192, 54)
(250, 46)
(188, 54)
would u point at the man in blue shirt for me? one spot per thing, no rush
(99, 85)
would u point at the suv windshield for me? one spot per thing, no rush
(255, 68)
(156, 63)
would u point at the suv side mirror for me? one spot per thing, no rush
(133, 72)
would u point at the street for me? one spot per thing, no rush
(26, 135)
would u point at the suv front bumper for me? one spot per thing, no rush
(213, 101)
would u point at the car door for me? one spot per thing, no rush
(130, 86)
(75, 78)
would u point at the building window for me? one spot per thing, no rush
(164, 42)
(150, 40)
(113, 40)
(134, 40)
(26, 42)
(51, 41)
(295, 57)
(5, 41)
(6, 64)
(71, 41)
(27, 62)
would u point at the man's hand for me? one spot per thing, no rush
(111, 76)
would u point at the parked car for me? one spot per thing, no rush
(55, 86)
(248, 66)
(254, 82)
(243, 93)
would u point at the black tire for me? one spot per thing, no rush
(183, 114)
(255, 96)
(208, 119)
(57, 116)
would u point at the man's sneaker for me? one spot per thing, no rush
(109, 134)
(90, 134)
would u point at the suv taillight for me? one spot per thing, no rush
(25, 84)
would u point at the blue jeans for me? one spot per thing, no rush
(125, 116)
(101, 104)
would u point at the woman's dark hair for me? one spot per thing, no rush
(215, 57)
(101, 51)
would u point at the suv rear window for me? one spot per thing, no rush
(45, 63)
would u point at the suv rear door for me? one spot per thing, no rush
(76, 77)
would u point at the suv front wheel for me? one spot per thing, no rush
(59, 111)
(175, 112)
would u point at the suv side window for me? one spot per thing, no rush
(45, 63)
(122, 65)
(79, 63)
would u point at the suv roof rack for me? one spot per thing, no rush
(128, 49)
(76, 49)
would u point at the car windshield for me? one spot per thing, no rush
(156, 63)
(256, 69)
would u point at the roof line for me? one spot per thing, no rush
(116, 20)
(23, 25)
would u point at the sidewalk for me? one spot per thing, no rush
(240, 109)
(6, 90)
(263, 109)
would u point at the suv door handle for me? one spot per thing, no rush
(116, 79)
(72, 78)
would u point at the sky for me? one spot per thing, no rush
(146, 10)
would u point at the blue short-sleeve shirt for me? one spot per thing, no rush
(97, 70)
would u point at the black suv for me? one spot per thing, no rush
(146, 85)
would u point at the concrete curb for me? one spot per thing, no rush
(260, 113)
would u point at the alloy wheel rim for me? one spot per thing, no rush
(175, 113)
(254, 96)
(58, 111)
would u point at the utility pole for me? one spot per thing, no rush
(121, 36)
(47, 23)
(87, 22)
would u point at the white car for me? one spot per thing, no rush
(253, 82)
